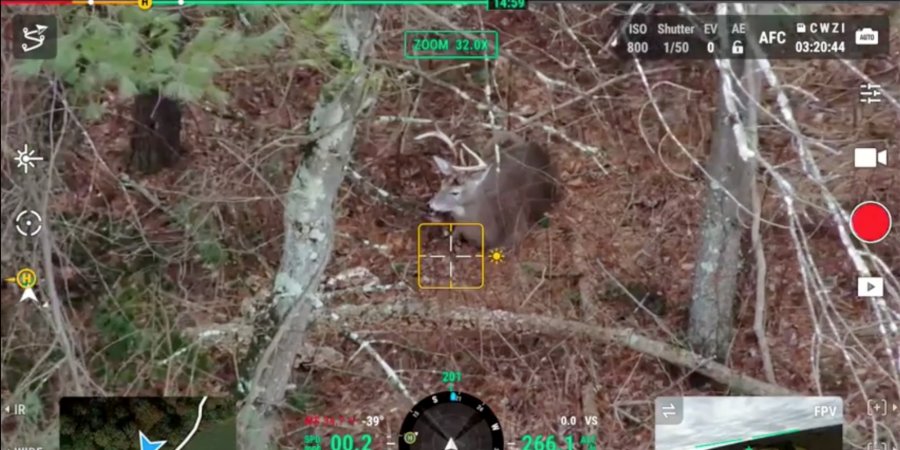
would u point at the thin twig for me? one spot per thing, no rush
(759, 318)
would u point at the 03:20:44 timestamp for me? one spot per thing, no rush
(803, 47)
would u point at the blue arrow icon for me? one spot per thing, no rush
(147, 445)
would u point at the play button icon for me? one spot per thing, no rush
(870, 287)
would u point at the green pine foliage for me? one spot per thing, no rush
(316, 41)
(134, 333)
(132, 51)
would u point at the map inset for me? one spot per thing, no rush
(147, 423)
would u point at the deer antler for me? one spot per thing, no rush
(481, 164)
(447, 140)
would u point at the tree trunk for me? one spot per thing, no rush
(308, 231)
(156, 130)
(156, 135)
(719, 258)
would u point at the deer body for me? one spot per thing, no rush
(507, 202)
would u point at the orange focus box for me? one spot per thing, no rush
(448, 264)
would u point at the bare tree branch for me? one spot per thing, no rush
(719, 259)
(309, 231)
(416, 314)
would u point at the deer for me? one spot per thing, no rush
(507, 198)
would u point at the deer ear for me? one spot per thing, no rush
(443, 165)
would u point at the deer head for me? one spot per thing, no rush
(460, 187)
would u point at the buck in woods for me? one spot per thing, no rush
(508, 199)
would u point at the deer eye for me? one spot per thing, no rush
(455, 192)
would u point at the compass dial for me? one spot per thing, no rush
(451, 421)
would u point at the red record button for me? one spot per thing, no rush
(870, 222)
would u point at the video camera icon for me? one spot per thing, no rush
(868, 157)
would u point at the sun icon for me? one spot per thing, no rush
(496, 256)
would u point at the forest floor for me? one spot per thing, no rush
(206, 235)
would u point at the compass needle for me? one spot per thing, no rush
(451, 445)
